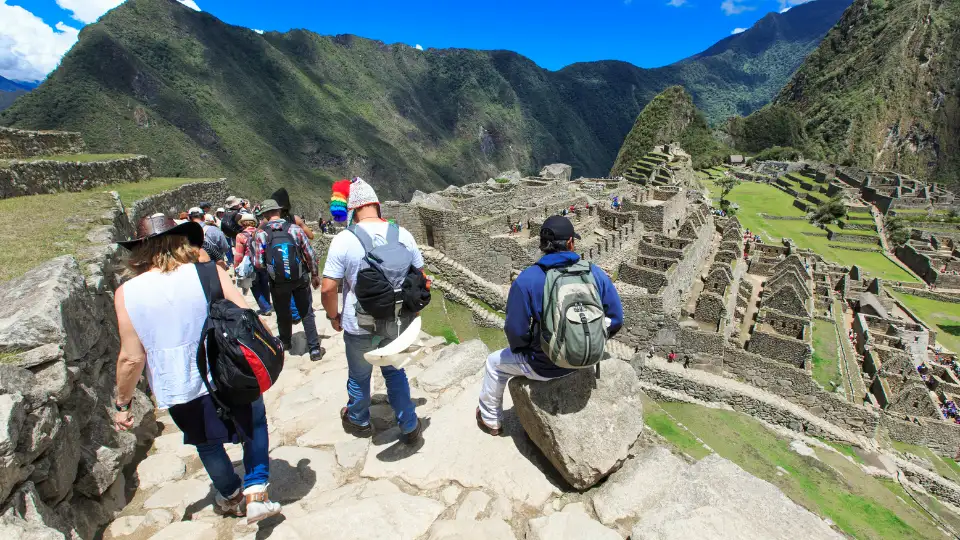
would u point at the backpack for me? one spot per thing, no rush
(390, 291)
(573, 332)
(283, 258)
(229, 224)
(245, 268)
(236, 353)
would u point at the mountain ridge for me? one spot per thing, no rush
(205, 98)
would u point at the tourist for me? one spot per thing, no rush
(653, 351)
(218, 216)
(205, 206)
(519, 226)
(283, 250)
(182, 217)
(343, 264)
(215, 244)
(244, 248)
(524, 357)
(672, 356)
(160, 314)
(228, 223)
(686, 361)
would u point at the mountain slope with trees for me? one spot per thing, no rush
(205, 98)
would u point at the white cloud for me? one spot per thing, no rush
(257, 30)
(419, 47)
(676, 3)
(88, 11)
(735, 7)
(738, 31)
(29, 48)
(785, 5)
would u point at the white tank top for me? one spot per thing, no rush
(168, 312)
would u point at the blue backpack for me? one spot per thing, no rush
(284, 258)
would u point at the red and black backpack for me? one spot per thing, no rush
(237, 353)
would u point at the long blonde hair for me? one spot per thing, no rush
(166, 253)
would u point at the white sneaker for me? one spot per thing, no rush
(259, 505)
(232, 505)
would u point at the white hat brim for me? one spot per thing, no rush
(396, 352)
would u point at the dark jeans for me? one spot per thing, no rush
(256, 463)
(261, 289)
(303, 297)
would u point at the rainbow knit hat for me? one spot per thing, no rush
(338, 201)
(361, 194)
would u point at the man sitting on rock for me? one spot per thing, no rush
(524, 356)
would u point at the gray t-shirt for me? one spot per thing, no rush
(215, 243)
(343, 262)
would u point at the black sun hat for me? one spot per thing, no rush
(558, 228)
(156, 226)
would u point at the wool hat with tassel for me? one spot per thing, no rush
(361, 194)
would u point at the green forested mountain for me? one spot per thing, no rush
(882, 91)
(204, 98)
(669, 117)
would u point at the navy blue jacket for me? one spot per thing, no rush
(525, 310)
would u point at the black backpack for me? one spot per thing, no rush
(283, 257)
(239, 354)
(229, 224)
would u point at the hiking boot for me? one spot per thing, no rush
(230, 506)
(485, 428)
(317, 354)
(354, 429)
(414, 436)
(259, 505)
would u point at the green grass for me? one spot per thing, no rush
(944, 315)
(56, 225)
(657, 419)
(826, 361)
(131, 192)
(831, 486)
(845, 449)
(945, 467)
(455, 323)
(754, 199)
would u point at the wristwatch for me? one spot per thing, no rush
(123, 408)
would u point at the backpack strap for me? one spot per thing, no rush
(393, 233)
(210, 281)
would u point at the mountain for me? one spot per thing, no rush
(204, 98)
(883, 89)
(669, 117)
(11, 90)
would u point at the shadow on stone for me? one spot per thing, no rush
(398, 450)
(298, 344)
(267, 526)
(196, 506)
(526, 447)
(290, 484)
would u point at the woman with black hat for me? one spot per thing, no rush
(161, 312)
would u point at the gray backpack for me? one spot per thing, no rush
(379, 286)
(573, 332)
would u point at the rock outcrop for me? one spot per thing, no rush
(584, 425)
(557, 171)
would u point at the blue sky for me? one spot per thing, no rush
(648, 33)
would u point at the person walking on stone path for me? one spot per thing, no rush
(160, 314)
(244, 248)
(215, 244)
(282, 249)
(524, 356)
(343, 264)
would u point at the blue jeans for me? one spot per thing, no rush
(261, 289)
(256, 462)
(358, 384)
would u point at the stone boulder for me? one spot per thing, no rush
(585, 426)
(557, 171)
(452, 365)
(431, 200)
(569, 525)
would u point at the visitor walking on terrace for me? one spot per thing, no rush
(244, 248)
(356, 203)
(282, 249)
(161, 312)
(524, 356)
(215, 244)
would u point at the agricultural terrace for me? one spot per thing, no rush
(944, 317)
(755, 201)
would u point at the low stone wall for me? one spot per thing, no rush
(788, 350)
(940, 436)
(21, 143)
(46, 176)
(464, 279)
(929, 295)
(178, 200)
(61, 461)
(797, 386)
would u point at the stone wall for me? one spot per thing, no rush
(796, 385)
(59, 453)
(35, 177)
(174, 201)
(785, 349)
(939, 436)
(19, 143)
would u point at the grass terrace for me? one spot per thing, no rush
(944, 316)
(826, 358)
(77, 158)
(832, 484)
(455, 323)
(59, 223)
(754, 199)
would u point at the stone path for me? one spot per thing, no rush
(457, 484)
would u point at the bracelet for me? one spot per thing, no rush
(123, 408)
(329, 318)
